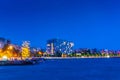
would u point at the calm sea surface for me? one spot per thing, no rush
(66, 69)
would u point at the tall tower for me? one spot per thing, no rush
(25, 49)
(52, 48)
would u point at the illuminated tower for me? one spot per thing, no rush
(52, 48)
(25, 49)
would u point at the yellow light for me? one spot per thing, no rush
(10, 47)
(40, 53)
(4, 58)
(0, 50)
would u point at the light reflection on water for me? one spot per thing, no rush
(68, 69)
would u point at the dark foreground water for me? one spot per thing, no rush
(70, 69)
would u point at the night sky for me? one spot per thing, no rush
(88, 23)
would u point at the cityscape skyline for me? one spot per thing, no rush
(89, 24)
(60, 39)
(49, 43)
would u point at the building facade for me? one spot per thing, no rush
(2, 42)
(58, 45)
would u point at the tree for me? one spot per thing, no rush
(25, 49)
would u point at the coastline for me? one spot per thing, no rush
(79, 57)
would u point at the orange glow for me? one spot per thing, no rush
(10, 47)
(40, 53)
(0, 50)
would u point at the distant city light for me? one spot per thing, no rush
(4, 58)
(59, 45)
(48, 44)
(10, 47)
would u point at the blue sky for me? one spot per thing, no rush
(88, 23)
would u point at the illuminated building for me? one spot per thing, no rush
(58, 45)
(2, 42)
(25, 50)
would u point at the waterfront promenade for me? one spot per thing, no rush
(79, 57)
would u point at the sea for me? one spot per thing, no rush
(65, 69)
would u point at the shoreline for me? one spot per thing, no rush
(78, 57)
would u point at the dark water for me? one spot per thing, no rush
(70, 69)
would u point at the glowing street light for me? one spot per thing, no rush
(10, 47)
(40, 53)
(4, 58)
